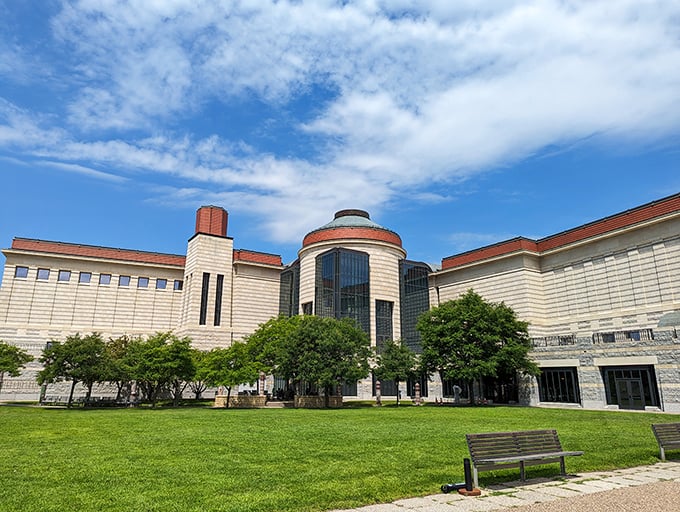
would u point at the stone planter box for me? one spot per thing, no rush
(317, 402)
(241, 401)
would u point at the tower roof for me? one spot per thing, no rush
(352, 224)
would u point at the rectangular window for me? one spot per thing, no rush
(161, 284)
(307, 308)
(104, 278)
(64, 275)
(178, 285)
(204, 299)
(142, 282)
(559, 385)
(123, 280)
(21, 272)
(43, 274)
(383, 322)
(85, 277)
(218, 299)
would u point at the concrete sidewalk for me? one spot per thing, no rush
(642, 489)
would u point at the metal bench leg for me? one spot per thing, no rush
(663, 452)
(522, 476)
(563, 468)
(475, 477)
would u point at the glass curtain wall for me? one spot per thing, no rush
(342, 286)
(414, 299)
(289, 294)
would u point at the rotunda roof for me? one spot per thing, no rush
(352, 224)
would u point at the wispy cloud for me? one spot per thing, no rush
(415, 94)
(85, 171)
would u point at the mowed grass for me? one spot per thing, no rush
(278, 459)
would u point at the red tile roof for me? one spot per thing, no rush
(609, 224)
(91, 251)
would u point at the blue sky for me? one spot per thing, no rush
(455, 124)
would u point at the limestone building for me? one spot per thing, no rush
(602, 299)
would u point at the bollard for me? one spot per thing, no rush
(468, 474)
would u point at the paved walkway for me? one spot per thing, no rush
(643, 489)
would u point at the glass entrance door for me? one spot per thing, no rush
(630, 394)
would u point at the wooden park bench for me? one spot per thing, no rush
(668, 437)
(499, 450)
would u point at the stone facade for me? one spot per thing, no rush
(594, 296)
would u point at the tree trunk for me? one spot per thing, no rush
(228, 395)
(70, 396)
(471, 392)
(2, 378)
(88, 395)
(396, 383)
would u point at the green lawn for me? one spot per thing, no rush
(196, 459)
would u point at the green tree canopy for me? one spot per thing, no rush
(230, 367)
(118, 370)
(470, 338)
(395, 362)
(162, 361)
(78, 359)
(12, 360)
(320, 351)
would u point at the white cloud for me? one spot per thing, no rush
(417, 93)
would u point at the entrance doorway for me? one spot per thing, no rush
(631, 387)
(629, 392)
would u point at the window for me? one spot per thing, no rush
(559, 385)
(85, 277)
(423, 380)
(342, 286)
(307, 308)
(415, 299)
(383, 322)
(178, 285)
(123, 280)
(142, 282)
(21, 272)
(161, 284)
(218, 299)
(64, 275)
(289, 294)
(203, 314)
(104, 278)
(43, 274)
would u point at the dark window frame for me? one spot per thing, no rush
(20, 272)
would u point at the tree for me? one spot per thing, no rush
(230, 367)
(12, 360)
(470, 338)
(395, 362)
(162, 361)
(117, 351)
(198, 385)
(78, 359)
(266, 344)
(324, 352)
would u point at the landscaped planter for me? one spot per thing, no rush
(317, 402)
(241, 401)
